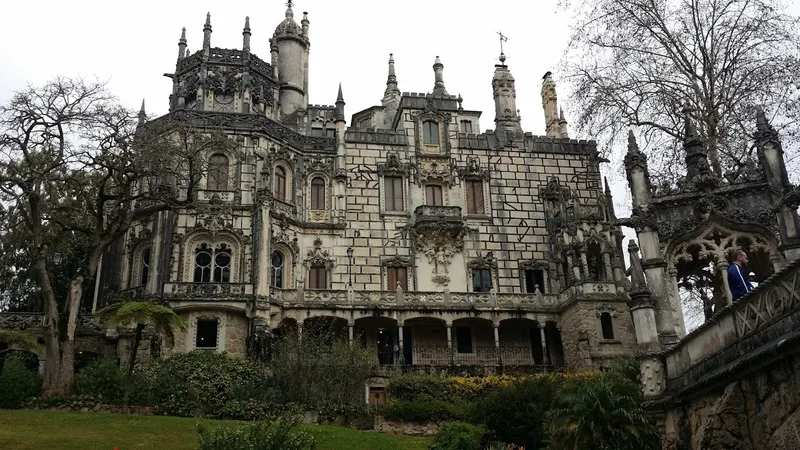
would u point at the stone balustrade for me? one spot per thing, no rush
(207, 291)
(20, 320)
(455, 300)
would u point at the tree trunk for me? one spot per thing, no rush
(137, 338)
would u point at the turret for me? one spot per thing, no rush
(207, 37)
(182, 45)
(289, 47)
(550, 105)
(438, 85)
(505, 101)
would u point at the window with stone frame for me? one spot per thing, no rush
(280, 184)
(481, 280)
(474, 197)
(144, 268)
(607, 325)
(397, 275)
(318, 194)
(466, 126)
(276, 270)
(464, 340)
(212, 265)
(534, 278)
(430, 133)
(393, 193)
(318, 276)
(433, 195)
(218, 167)
(207, 333)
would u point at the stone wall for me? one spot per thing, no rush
(759, 412)
(582, 335)
(406, 428)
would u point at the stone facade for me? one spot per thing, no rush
(410, 231)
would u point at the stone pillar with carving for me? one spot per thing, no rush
(649, 348)
(643, 220)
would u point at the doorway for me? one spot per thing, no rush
(385, 346)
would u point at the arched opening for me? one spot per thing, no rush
(594, 259)
(217, 172)
(430, 133)
(144, 267)
(318, 194)
(425, 342)
(473, 341)
(280, 184)
(325, 330)
(520, 342)
(379, 334)
(212, 265)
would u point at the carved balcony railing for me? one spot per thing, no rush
(754, 321)
(20, 320)
(426, 214)
(441, 355)
(400, 299)
(207, 291)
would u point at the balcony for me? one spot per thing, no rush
(207, 291)
(426, 214)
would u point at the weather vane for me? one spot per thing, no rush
(503, 38)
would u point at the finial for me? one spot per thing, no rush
(637, 272)
(247, 24)
(561, 113)
(305, 17)
(182, 44)
(142, 114)
(208, 19)
(503, 38)
(762, 124)
(605, 186)
(289, 12)
(339, 111)
(633, 147)
(691, 129)
(438, 86)
(183, 35)
(340, 97)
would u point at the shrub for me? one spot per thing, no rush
(18, 383)
(411, 387)
(423, 410)
(516, 414)
(102, 379)
(320, 369)
(200, 384)
(275, 435)
(459, 436)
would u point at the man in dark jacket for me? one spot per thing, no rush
(737, 277)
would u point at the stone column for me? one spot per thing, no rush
(607, 266)
(584, 266)
(676, 301)
(545, 354)
(496, 327)
(722, 271)
(350, 332)
(264, 262)
(401, 357)
(449, 326)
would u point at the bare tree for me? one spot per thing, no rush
(74, 162)
(639, 62)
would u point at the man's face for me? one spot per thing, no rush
(743, 259)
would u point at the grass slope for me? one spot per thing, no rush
(31, 429)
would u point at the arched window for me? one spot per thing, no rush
(430, 133)
(144, 269)
(280, 184)
(318, 194)
(212, 265)
(276, 270)
(218, 172)
(318, 277)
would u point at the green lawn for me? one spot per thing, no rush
(31, 429)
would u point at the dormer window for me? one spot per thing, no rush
(430, 133)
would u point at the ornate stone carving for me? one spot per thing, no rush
(215, 217)
(652, 370)
(473, 170)
(606, 308)
(434, 170)
(393, 166)
(319, 255)
(283, 235)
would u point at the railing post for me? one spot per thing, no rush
(401, 357)
(499, 358)
(449, 326)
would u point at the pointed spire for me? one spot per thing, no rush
(562, 125)
(391, 80)
(142, 114)
(606, 187)
(207, 36)
(246, 37)
(763, 128)
(182, 44)
(633, 146)
(289, 12)
(637, 272)
(438, 86)
(339, 113)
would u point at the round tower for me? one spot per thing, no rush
(291, 40)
